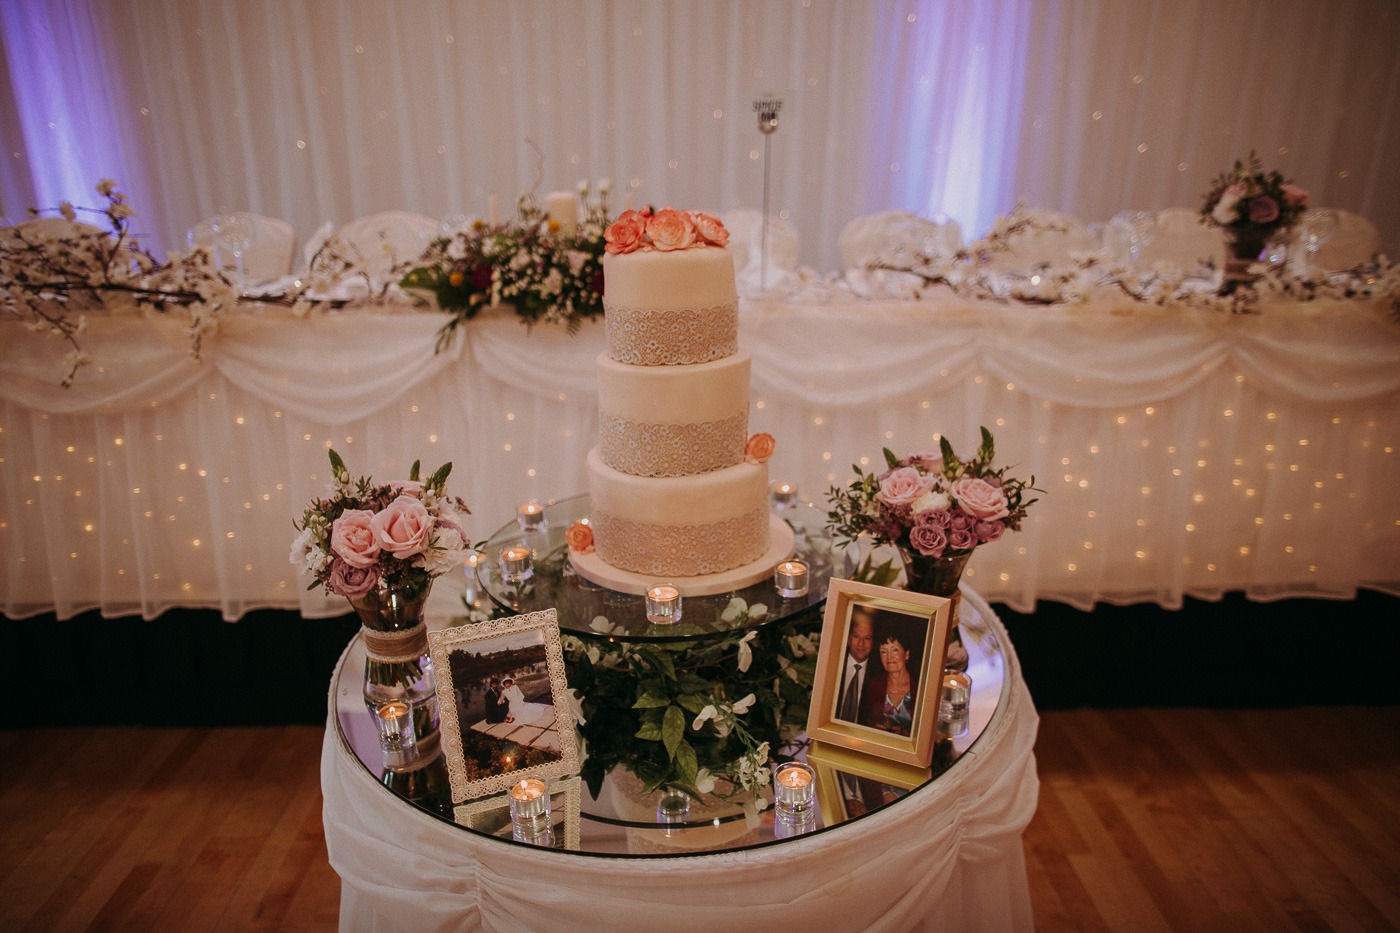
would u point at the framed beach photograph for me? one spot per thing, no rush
(503, 703)
(878, 671)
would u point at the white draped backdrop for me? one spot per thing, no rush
(323, 111)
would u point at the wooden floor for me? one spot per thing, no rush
(1148, 820)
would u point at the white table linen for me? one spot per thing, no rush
(1181, 452)
(946, 857)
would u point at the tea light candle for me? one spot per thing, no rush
(395, 721)
(530, 516)
(794, 788)
(515, 564)
(529, 803)
(954, 704)
(663, 604)
(791, 579)
(784, 494)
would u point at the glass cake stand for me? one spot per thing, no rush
(588, 610)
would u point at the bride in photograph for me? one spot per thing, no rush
(518, 710)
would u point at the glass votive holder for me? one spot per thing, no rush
(791, 579)
(395, 721)
(663, 604)
(530, 516)
(516, 565)
(794, 789)
(672, 809)
(783, 494)
(955, 704)
(789, 824)
(529, 806)
(544, 837)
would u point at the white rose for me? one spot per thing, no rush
(933, 499)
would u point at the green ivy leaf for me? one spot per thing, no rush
(692, 702)
(686, 765)
(659, 661)
(648, 700)
(890, 459)
(649, 732)
(673, 729)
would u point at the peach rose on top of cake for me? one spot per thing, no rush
(665, 230)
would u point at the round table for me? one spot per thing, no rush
(947, 853)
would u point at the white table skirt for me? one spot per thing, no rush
(946, 857)
(1181, 453)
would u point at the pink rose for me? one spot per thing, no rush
(710, 228)
(670, 229)
(627, 233)
(928, 539)
(402, 527)
(940, 518)
(979, 498)
(903, 486)
(1263, 210)
(352, 538)
(1295, 196)
(988, 531)
(962, 539)
(352, 582)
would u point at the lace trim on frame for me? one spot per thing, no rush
(680, 550)
(645, 449)
(396, 647)
(671, 337)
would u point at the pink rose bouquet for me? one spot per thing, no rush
(931, 504)
(400, 533)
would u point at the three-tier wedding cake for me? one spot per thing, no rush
(678, 487)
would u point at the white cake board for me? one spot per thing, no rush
(780, 548)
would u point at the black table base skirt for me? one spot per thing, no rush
(191, 668)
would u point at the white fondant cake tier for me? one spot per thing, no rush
(670, 308)
(679, 525)
(673, 420)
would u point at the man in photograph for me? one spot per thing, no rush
(856, 670)
(495, 703)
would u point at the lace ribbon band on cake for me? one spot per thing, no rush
(396, 647)
(643, 449)
(686, 549)
(649, 337)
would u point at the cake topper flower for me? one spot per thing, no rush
(664, 230)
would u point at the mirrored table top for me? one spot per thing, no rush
(621, 820)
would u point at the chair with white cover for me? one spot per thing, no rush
(1183, 240)
(1037, 247)
(1356, 240)
(898, 237)
(379, 242)
(269, 252)
(745, 228)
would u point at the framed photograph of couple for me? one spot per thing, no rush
(879, 671)
(503, 703)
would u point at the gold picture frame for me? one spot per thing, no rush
(493, 735)
(913, 629)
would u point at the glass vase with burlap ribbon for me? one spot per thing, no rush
(940, 576)
(397, 664)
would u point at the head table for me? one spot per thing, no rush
(946, 855)
(1181, 451)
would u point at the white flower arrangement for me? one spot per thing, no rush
(52, 280)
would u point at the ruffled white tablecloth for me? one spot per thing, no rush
(1181, 452)
(946, 857)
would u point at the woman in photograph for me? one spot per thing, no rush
(518, 710)
(888, 699)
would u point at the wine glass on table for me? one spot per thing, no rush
(233, 235)
(1319, 225)
(1142, 230)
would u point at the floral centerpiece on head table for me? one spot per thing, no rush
(934, 508)
(1252, 206)
(547, 271)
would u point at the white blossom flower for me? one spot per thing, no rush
(704, 716)
(744, 705)
(704, 781)
(106, 186)
(576, 704)
(736, 607)
(745, 652)
(600, 624)
(66, 210)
